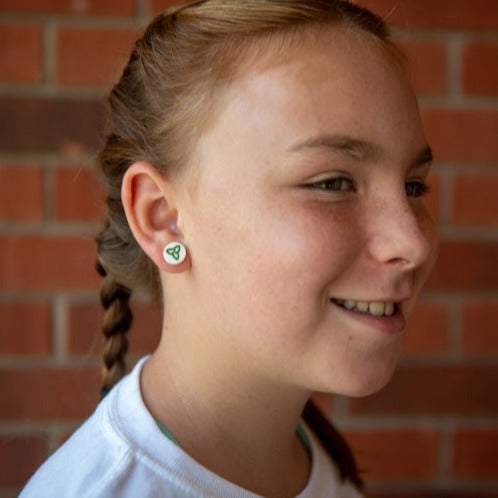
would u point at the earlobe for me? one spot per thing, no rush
(151, 213)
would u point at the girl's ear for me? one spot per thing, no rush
(152, 216)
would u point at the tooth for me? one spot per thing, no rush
(388, 309)
(362, 306)
(349, 304)
(376, 308)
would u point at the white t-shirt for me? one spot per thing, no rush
(120, 452)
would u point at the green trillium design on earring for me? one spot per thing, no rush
(174, 253)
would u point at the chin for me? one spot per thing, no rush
(361, 378)
(368, 381)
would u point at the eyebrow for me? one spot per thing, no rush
(358, 149)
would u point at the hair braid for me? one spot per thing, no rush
(334, 443)
(117, 321)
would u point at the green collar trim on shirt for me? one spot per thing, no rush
(301, 434)
(167, 433)
(303, 437)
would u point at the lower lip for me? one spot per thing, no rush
(393, 324)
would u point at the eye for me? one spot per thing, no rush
(416, 188)
(335, 184)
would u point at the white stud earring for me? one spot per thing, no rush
(174, 253)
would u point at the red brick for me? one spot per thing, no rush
(479, 69)
(78, 195)
(20, 62)
(476, 454)
(84, 334)
(325, 402)
(21, 191)
(85, 325)
(160, 5)
(461, 134)
(378, 454)
(87, 7)
(427, 330)
(47, 262)
(465, 266)
(478, 14)
(48, 394)
(436, 390)
(19, 458)
(26, 328)
(427, 66)
(476, 200)
(92, 57)
(479, 327)
(67, 126)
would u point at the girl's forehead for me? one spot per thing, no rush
(338, 82)
(327, 61)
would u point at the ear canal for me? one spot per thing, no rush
(174, 253)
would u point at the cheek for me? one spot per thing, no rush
(270, 252)
(304, 241)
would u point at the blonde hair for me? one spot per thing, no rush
(160, 106)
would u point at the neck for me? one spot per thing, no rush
(240, 427)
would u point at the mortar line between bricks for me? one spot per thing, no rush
(433, 422)
(467, 168)
(446, 195)
(75, 20)
(48, 192)
(416, 487)
(29, 362)
(48, 53)
(468, 234)
(35, 427)
(455, 329)
(59, 328)
(50, 159)
(80, 229)
(54, 91)
(339, 408)
(143, 10)
(454, 68)
(28, 296)
(469, 296)
(443, 34)
(445, 455)
(471, 360)
(458, 103)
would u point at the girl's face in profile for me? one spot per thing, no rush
(306, 223)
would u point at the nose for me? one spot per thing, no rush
(401, 234)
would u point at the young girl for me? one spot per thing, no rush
(264, 168)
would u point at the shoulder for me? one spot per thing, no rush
(102, 459)
(85, 465)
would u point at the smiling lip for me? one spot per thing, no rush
(384, 315)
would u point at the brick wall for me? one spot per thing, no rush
(432, 432)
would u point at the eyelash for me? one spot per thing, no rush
(331, 184)
(416, 188)
(419, 187)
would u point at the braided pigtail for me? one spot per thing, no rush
(334, 443)
(117, 321)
